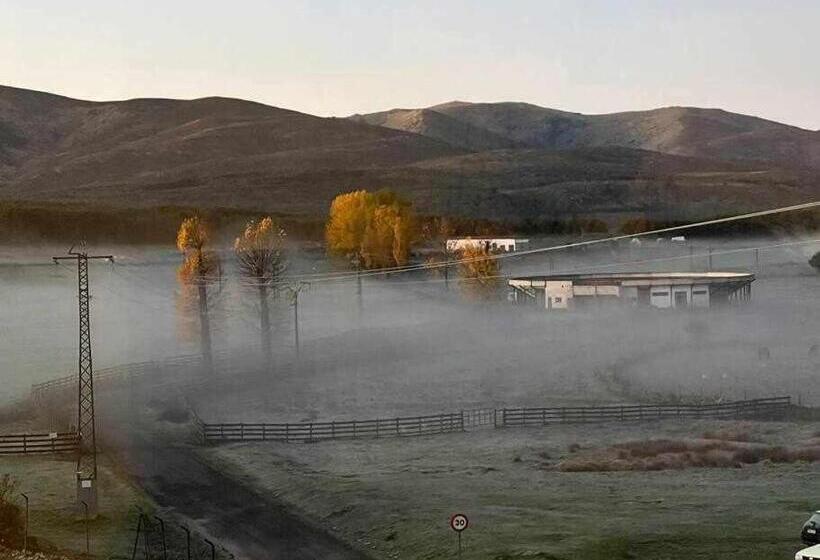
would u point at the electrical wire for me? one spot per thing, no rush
(320, 277)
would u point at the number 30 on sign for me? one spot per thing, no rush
(459, 522)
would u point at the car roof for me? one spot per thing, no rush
(812, 550)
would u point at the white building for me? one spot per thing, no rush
(663, 290)
(492, 244)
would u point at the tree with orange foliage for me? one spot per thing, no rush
(375, 230)
(480, 273)
(200, 268)
(261, 261)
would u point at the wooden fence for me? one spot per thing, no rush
(757, 408)
(498, 418)
(111, 375)
(351, 429)
(62, 442)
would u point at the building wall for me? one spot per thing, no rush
(565, 294)
(558, 294)
(660, 297)
(700, 295)
(493, 244)
(681, 296)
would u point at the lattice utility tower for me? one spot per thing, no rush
(87, 453)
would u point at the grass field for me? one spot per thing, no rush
(393, 498)
(54, 518)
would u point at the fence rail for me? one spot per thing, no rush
(770, 407)
(498, 418)
(61, 442)
(106, 377)
(351, 429)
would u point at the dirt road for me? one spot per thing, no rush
(249, 525)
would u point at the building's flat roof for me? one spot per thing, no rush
(640, 277)
(487, 238)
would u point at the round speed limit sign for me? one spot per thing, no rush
(459, 522)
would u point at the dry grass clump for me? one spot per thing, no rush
(735, 433)
(666, 454)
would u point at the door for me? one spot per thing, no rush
(681, 300)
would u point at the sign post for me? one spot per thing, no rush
(459, 522)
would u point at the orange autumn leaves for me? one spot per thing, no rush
(375, 230)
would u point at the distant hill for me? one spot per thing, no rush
(171, 151)
(437, 124)
(689, 131)
(501, 161)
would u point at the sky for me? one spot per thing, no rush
(339, 58)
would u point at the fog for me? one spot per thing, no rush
(412, 347)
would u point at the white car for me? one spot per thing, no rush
(811, 553)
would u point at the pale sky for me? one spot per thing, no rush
(338, 58)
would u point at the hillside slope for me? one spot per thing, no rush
(508, 161)
(686, 131)
(52, 145)
(435, 124)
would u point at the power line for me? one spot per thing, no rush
(613, 264)
(319, 277)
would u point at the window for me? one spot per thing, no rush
(556, 300)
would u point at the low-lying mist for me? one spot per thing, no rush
(411, 347)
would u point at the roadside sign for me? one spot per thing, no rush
(459, 522)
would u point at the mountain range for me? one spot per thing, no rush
(496, 161)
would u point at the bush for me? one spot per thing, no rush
(814, 261)
(11, 517)
(665, 454)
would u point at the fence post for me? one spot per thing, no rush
(263, 431)
(242, 431)
(310, 432)
(377, 428)
(462, 420)
(287, 433)
(418, 420)
(354, 429)
(398, 432)
(333, 429)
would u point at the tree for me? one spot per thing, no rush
(375, 230)
(438, 232)
(347, 223)
(261, 261)
(200, 268)
(814, 261)
(480, 273)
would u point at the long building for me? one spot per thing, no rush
(663, 290)
(490, 244)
